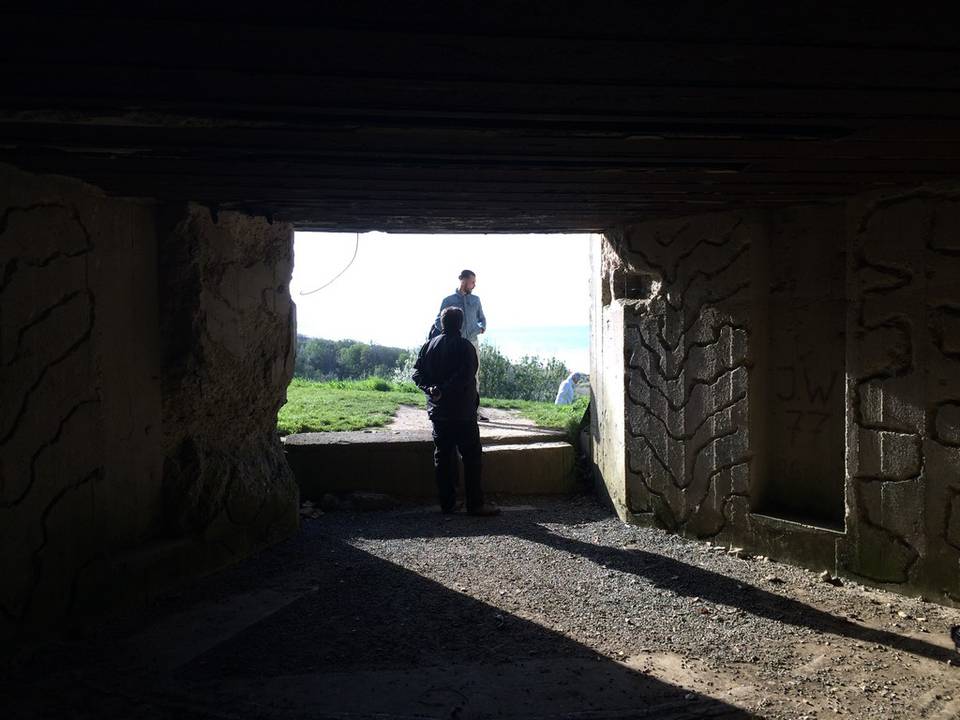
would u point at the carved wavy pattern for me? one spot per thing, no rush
(39, 319)
(891, 300)
(684, 436)
(43, 448)
(939, 334)
(933, 431)
(45, 349)
(687, 363)
(37, 555)
(670, 272)
(892, 539)
(687, 388)
(74, 347)
(943, 251)
(664, 466)
(697, 315)
(899, 279)
(688, 347)
(13, 264)
(953, 504)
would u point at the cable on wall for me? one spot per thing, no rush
(356, 247)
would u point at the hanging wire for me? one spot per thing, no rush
(356, 247)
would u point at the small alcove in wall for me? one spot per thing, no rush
(799, 373)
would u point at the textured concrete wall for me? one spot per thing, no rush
(903, 420)
(80, 416)
(685, 352)
(793, 384)
(229, 337)
(98, 396)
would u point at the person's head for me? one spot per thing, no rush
(451, 320)
(468, 281)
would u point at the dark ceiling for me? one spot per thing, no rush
(494, 116)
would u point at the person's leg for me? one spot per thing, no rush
(445, 464)
(468, 442)
(476, 346)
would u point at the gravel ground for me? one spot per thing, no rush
(566, 610)
(636, 593)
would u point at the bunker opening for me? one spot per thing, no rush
(367, 305)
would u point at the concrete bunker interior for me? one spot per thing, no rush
(775, 297)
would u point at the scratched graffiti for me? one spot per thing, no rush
(792, 384)
(805, 397)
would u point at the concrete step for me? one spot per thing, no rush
(489, 435)
(403, 466)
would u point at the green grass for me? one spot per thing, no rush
(545, 414)
(358, 404)
(343, 404)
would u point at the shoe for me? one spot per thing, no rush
(485, 510)
(482, 418)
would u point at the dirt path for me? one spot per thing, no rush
(414, 419)
(498, 427)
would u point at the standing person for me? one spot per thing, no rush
(474, 321)
(567, 392)
(446, 370)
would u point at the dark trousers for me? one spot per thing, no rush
(448, 438)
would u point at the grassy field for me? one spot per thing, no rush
(357, 404)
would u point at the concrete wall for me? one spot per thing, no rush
(607, 408)
(903, 390)
(127, 444)
(792, 383)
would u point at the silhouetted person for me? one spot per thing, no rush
(446, 370)
(474, 321)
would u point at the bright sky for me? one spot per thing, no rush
(392, 291)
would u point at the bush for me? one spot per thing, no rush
(321, 359)
(530, 379)
(350, 365)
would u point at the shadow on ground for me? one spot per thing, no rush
(680, 578)
(318, 628)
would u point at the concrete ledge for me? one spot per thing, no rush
(808, 545)
(529, 469)
(402, 465)
(489, 435)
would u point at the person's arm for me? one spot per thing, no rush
(421, 378)
(481, 318)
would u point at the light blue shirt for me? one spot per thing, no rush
(473, 318)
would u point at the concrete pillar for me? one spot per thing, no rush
(144, 352)
(607, 407)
